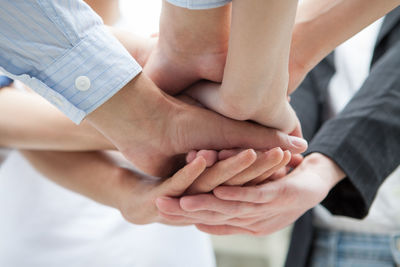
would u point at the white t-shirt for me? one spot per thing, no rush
(45, 225)
(352, 61)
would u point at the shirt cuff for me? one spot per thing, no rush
(199, 4)
(87, 75)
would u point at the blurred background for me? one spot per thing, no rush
(141, 17)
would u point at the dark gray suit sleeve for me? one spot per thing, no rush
(308, 100)
(364, 139)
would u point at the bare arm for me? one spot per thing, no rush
(27, 121)
(323, 25)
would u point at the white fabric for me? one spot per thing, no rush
(3, 154)
(45, 225)
(352, 61)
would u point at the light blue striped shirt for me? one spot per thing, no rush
(61, 49)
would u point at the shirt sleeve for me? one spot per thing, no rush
(62, 50)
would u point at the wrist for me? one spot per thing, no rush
(136, 107)
(325, 167)
(177, 22)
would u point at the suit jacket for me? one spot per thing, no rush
(364, 139)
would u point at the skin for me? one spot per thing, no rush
(260, 209)
(270, 206)
(108, 10)
(95, 175)
(22, 128)
(263, 165)
(181, 58)
(152, 139)
(250, 44)
(27, 121)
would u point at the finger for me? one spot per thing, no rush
(265, 161)
(295, 160)
(297, 131)
(228, 133)
(285, 160)
(222, 171)
(282, 172)
(171, 206)
(223, 230)
(211, 156)
(191, 156)
(180, 181)
(227, 153)
(208, 202)
(244, 222)
(254, 194)
(208, 217)
(274, 223)
(176, 220)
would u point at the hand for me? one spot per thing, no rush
(263, 107)
(263, 165)
(262, 209)
(152, 129)
(96, 175)
(138, 196)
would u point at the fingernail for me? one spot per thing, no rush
(190, 156)
(249, 150)
(298, 142)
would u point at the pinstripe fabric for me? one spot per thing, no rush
(48, 44)
(199, 4)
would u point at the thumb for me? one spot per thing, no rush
(180, 181)
(245, 134)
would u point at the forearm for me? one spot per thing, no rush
(323, 25)
(91, 174)
(259, 44)
(27, 121)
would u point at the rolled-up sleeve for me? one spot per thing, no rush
(62, 50)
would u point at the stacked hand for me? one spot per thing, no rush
(139, 195)
(224, 190)
(257, 209)
(153, 131)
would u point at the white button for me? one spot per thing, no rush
(82, 83)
